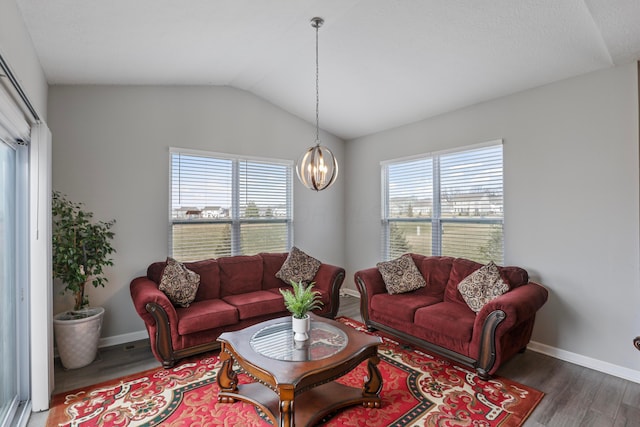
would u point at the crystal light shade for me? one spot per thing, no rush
(317, 168)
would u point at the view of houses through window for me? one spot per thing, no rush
(224, 205)
(448, 203)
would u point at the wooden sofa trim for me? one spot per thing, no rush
(164, 347)
(487, 356)
(335, 295)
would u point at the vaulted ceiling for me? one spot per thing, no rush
(383, 63)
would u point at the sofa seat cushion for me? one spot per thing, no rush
(400, 307)
(254, 304)
(449, 320)
(207, 314)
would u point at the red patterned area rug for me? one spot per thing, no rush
(419, 389)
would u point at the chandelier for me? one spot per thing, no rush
(317, 168)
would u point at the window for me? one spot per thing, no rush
(445, 203)
(223, 205)
(14, 303)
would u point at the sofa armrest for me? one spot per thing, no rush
(369, 283)
(371, 280)
(148, 298)
(329, 279)
(519, 304)
(512, 311)
(145, 291)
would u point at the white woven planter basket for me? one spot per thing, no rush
(77, 339)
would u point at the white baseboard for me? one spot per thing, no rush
(587, 362)
(350, 292)
(122, 339)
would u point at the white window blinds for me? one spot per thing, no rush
(448, 203)
(223, 205)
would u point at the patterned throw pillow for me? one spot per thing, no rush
(298, 267)
(482, 286)
(401, 275)
(179, 283)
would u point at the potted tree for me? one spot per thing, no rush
(81, 249)
(299, 302)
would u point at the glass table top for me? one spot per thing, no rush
(276, 342)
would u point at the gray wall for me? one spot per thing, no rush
(111, 151)
(17, 49)
(571, 203)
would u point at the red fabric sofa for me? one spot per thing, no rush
(234, 292)
(437, 318)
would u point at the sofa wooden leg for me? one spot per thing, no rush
(482, 374)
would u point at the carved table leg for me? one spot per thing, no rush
(227, 377)
(373, 384)
(286, 407)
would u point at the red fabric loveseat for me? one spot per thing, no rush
(436, 316)
(234, 292)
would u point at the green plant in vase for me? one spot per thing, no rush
(302, 299)
(299, 302)
(81, 248)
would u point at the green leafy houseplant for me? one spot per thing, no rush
(302, 299)
(81, 248)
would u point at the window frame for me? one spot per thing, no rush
(435, 219)
(234, 220)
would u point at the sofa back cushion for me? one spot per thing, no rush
(514, 276)
(436, 271)
(207, 269)
(154, 271)
(271, 264)
(209, 272)
(240, 274)
(461, 268)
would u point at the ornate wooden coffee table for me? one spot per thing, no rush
(294, 383)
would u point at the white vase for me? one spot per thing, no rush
(77, 338)
(300, 351)
(301, 327)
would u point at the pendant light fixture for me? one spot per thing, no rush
(317, 168)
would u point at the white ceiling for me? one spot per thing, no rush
(383, 63)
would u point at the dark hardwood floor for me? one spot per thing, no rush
(574, 396)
